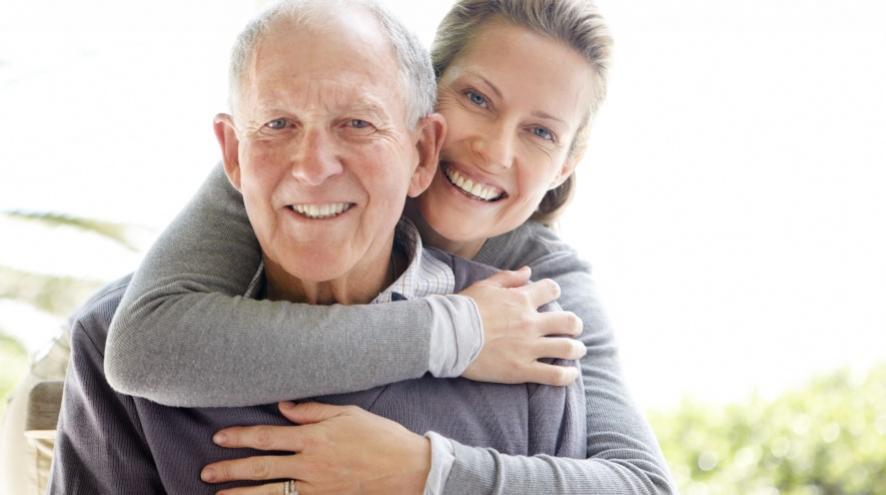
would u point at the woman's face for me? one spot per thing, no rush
(513, 102)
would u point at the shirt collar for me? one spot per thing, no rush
(425, 275)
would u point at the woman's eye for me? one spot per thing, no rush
(277, 124)
(543, 133)
(476, 98)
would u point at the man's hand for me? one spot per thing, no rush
(517, 335)
(337, 449)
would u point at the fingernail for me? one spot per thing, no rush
(220, 438)
(208, 474)
(286, 405)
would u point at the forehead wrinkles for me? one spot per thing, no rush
(336, 96)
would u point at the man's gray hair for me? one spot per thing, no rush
(416, 72)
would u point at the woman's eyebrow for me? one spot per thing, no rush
(547, 116)
(493, 87)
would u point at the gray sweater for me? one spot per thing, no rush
(174, 336)
(101, 432)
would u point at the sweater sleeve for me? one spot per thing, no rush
(185, 335)
(623, 454)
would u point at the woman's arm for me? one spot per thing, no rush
(623, 454)
(185, 335)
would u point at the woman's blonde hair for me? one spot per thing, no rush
(577, 23)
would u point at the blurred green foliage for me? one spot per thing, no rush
(56, 294)
(15, 363)
(53, 294)
(827, 438)
(116, 232)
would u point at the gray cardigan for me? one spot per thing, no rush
(166, 344)
(101, 431)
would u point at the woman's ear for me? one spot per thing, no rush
(226, 134)
(566, 170)
(431, 133)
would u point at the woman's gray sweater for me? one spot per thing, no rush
(184, 336)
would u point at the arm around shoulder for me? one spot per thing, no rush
(186, 334)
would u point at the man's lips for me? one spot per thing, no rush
(473, 189)
(319, 211)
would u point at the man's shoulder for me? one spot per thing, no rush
(94, 316)
(466, 271)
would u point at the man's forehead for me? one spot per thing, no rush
(324, 67)
(331, 94)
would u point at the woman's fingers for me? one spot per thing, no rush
(262, 437)
(541, 292)
(559, 348)
(516, 334)
(509, 278)
(554, 375)
(564, 323)
(257, 468)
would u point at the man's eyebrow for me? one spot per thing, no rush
(368, 106)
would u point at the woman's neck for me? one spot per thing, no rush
(464, 249)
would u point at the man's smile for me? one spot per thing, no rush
(321, 211)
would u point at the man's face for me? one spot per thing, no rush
(321, 151)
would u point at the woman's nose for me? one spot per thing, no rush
(495, 148)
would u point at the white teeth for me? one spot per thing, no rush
(321, 211)
(486, 193)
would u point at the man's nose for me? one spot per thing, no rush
(316, 159)
(494, 147)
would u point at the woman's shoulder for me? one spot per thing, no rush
(524, 245)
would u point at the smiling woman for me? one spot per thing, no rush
(508, 144)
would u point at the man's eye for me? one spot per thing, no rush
(359, 124)
(476, 98)
(543, 133)
(277, 124)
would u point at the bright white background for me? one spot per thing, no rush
(731, 202)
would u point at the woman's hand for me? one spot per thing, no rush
(517, 335)
(336, 449)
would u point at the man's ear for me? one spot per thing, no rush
(226, 134)
(432, 132)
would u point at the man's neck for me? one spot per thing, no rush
(359, 286)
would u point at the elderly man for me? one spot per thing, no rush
(324, 149)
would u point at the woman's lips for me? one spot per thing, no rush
(474, 189)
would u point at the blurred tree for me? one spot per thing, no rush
(827, 438)
(57, 295)
(53, 294)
